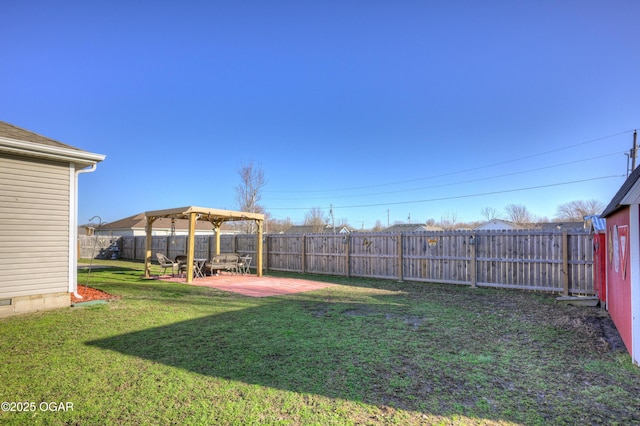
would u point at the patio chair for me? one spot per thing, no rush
(165, 263)
(181, 260)
(244, 264)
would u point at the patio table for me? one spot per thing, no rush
(198, 268)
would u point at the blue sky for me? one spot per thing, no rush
(384, 110)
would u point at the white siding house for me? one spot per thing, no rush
(497, 225)
(38, 219)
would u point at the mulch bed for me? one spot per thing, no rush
(90, 294)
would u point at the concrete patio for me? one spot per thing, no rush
(250, 285)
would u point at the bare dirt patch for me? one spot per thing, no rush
(601, 327)
(593, 322)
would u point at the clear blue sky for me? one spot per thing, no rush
(384, 109)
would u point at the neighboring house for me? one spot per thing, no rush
(502, 225)
(623, 262)
(561, 226)
(38, 219)
(497, 225)
(311, 229)
(410, 227)
(134, 226)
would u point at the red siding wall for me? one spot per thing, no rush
(619, 274)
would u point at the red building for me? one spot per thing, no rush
(623, 262)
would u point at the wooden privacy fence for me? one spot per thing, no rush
(542, 260)
(98, 247)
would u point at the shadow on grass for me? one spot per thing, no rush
(431, 349)
(367, 352)
(301, 346)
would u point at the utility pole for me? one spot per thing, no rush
(333, 222)
(633, 154)
(634, 150)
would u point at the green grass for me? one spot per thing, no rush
(360, 352)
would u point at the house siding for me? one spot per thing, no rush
(34, 227)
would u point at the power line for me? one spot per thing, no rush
(454, 197)
(454, 183)
(501, 163)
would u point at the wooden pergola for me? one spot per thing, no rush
(193, 214)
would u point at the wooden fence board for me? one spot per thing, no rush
(176, 246)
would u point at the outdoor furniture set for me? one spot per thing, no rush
(230, 262)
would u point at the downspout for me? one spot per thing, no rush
(73, 241)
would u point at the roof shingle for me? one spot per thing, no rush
(14, 132)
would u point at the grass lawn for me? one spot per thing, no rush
(362, 352)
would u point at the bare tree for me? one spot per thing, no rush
(489, 213)
(316, 218)
(449, 221)
(277, 226)
(249, 191)
(343, 222)
(575, 211)
(518, 213)
(378, 226)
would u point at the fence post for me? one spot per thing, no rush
(400, 271)
(347, 257)
(565, 262)
(304, 253)
(265, 252)
(473, 242)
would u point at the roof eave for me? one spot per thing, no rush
(629, 193)
(30, 149)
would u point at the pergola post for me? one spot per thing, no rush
(148, 246)
(191, 242)
(259, 248)
(216, 230)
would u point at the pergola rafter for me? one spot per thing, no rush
(215, 216)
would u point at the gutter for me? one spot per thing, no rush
(89, 170)
(57, 153)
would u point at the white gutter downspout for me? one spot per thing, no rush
(73, 225)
